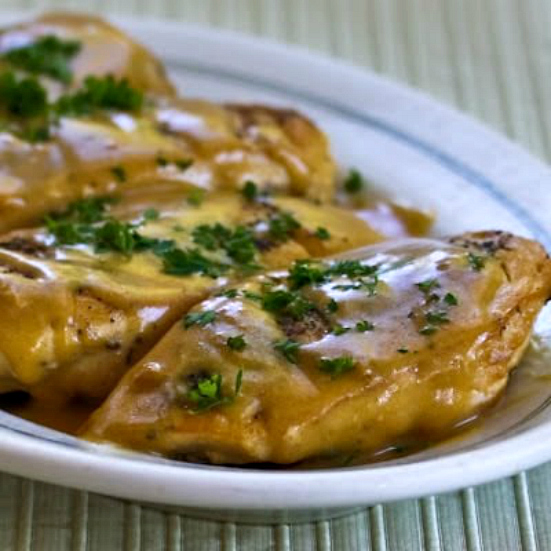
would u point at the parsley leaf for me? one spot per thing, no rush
(305, 272)
(48, 55)
(24, 97)
(281, 302)
(476, 262)
(237, 343)
(199, 318)
(340, 330)
(337, 366)
(150, 214)
(427, 286)
(207, 392)
(119, 173)
(364, 325)
(451, 300)
(282, 226)
(105, 92)
(354, 182)
(289, 348)
(250, 191)
(182, 262)
(322, 234)
(196, 197)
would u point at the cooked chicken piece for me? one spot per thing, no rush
(182, 143)
(104, 50)
(84, 299)
(393, 343)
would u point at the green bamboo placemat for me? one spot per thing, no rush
(491, 58)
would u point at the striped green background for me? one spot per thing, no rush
(491, 58)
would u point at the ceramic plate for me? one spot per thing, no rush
(412, 148)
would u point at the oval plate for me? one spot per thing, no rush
(415, 150)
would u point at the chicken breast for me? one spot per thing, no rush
(390, 344)
(182, 143)
(83, 299)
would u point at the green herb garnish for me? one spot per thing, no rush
(48, 55)
(250, 191)
(289, 348)
(185, 262)
(427, 286)
(150, 214)
(306, 272)
(282, 226)
(402, 350)
(354, 182)
(476, 262)
(104, 92)
(451, 300)
(183, 164)
(207, 392)
(364, 325)
(237, 343)
(286, 303)
(196, 197)
(22, 97)
(322, 234)
(119, 173)
(340, 330)
(199, 318)
(337, 366)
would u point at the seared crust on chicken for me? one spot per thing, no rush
(390, 343)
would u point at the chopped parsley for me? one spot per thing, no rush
(352, 269)
(282, 226)
(428, 286)
(402, 350)
(104, 92)
(476, 261)
(236, 343)
(354, 182)
(451, 300)
(115, 236)
(199, 318)
(289, 348)
(322, 234)
(207, 392)
(340, 330)
(239, 243)
(86, 211)
(306, 272)
(183, 164)
(336, 366)
(286, 303)
(250, 191)
(48, 55)
(437, 318)
(150, 214)
(22, 97)
(196, 197)
(229, 293)
(119, 173)
(332, 306)
(161, 160)
(252, 296)
(364, 325)
(433, 321)
(185, 262)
